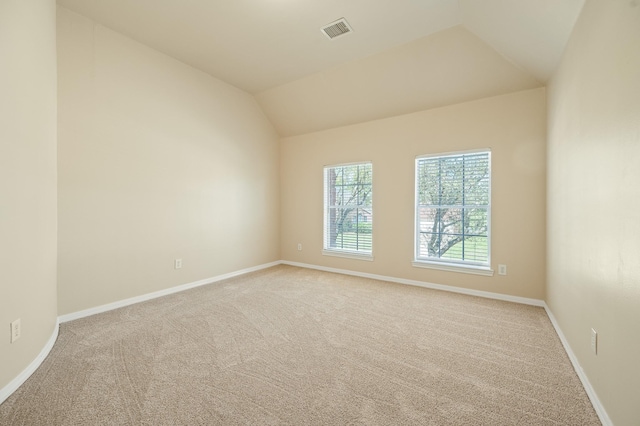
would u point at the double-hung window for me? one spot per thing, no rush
(453, 211)
(348, 213)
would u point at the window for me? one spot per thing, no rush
(453, 210)
(348, 216)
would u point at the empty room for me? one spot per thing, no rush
(373, 212)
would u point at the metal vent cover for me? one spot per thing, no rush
(336, 29)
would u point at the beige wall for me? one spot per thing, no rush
(157, 161)
(594, 201)
(513, 126)
(27, 180)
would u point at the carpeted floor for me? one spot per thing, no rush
(301, 347)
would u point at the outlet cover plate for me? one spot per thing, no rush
(502, 269)
(15, 330)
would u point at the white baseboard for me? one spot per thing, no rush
(13, 385)
(479, 293)
(142, 298)
(595, 401)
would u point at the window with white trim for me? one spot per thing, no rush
(348, 213)
(453, 209)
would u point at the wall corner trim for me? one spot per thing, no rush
(13, 385)
(591, 393)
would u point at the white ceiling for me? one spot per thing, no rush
(260, 44)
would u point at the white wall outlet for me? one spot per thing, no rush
(15, 330)
(594, 341)
(178, 264)
(502, 269)
(299, 247)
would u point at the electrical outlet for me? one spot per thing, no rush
(594, 341)
(15, 330)
(178, 264)
(299, 247)
(502, 269)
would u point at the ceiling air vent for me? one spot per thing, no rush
(337, 28)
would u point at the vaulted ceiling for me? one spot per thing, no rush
(403, 55)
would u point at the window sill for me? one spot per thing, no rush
(474, 270)
(348, 255)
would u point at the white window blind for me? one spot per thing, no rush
(453, 208)
(348, 213)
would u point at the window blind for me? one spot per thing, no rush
(348, 215)
(453, 202)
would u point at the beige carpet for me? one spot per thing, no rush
(301, 347)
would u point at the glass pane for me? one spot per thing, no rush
(476, 222)
(441, 181)
(349, 195)
(364, 229)
(427, 219)
(352, 229)
(364, 195)
(448, 233)
(476, 187)
(476, 249)
(423, 244)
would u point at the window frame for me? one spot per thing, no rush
(469, 267)
(341, 252)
